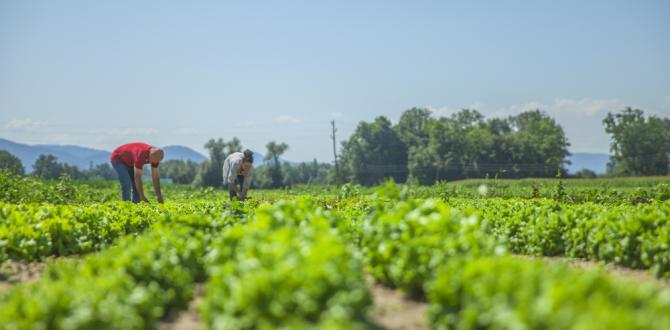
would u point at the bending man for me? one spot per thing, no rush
(237, 170)
(128, 161)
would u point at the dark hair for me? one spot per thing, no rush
(249, 156)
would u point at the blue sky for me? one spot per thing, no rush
(100, 74)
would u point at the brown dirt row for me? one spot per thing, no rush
(615, 271)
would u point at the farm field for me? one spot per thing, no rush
(474, 254)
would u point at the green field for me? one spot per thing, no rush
(479, 254)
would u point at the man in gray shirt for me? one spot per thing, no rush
(237, 171)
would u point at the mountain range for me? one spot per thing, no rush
(84, 157)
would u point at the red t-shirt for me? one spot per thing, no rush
(133, 154)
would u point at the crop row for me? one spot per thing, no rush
(273, 270)
(634, 236)
(427, 247)
(631, 236)
(288, 269)
(32, 231)
(128, 286)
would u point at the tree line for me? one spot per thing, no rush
(423, 149)
(420, 149)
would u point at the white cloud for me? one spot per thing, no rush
(475, 106)
(666, 101)
(25, 125)
(446, 111)
(442, 111)
(565, 107)
(336, 115)
(286, 119)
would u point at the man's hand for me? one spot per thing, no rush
(159, 198)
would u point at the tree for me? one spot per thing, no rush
(640, 146)
(211, 170)
(274, 150)
(412, 127)
(374, 153)
(47, 167)
(101, 171)
(539, 145)
(180, 171)
(422, 165)
(11, 163)
(585, 173)
(232, 146)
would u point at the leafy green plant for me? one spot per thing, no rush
(285, 269)
(506, 292)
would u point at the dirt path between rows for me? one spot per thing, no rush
(615, 271)
(15, 272)
(393, 310)
(188, 319)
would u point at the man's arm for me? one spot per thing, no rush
(138, 184)
(156, 180)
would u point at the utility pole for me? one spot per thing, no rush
(337, 171)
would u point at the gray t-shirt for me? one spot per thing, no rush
(232, 167)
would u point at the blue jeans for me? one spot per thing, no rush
(240, 183)
(127, 179)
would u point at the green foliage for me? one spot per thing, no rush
(129, 286)
(374, 153)
(210, 172)
(464, 145)
(286, 269)
(11, 163)
(412, 127)
(275, 150)
(585, 174)
(640, 146)
(47, 167)
(18, 189)
(297, 258)
(180, 171)
(559, 193)
(632, 236)
(404, 244)
(509, 293)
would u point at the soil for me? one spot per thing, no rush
(616, 271)
(393, 310)
(188, 319)
(14, 272)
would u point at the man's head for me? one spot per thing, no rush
(248, 160)
(156, 155)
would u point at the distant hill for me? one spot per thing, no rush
(83, 157)
(184, 153)
(594, 162)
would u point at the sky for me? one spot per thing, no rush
(103, 73)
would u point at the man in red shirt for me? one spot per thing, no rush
(128, 161)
